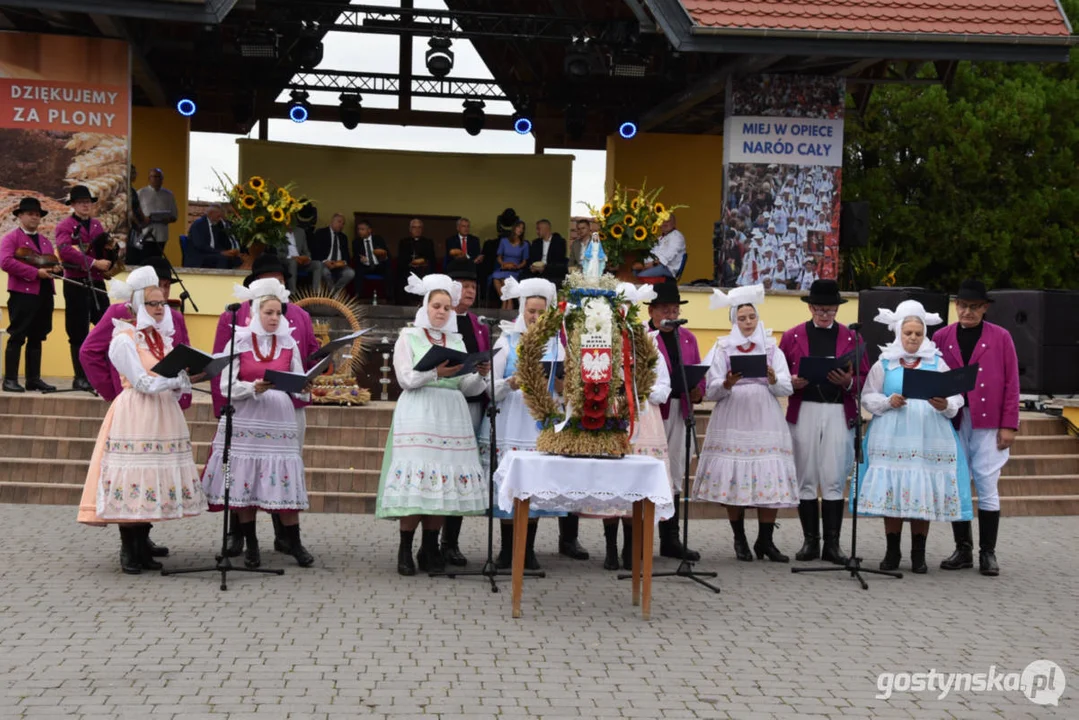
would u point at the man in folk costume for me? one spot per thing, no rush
(477, 337)
(268, 266)
(30, 298)
(822, 420)
(674, 340)
(989, 420)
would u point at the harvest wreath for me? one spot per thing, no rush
(609, 370)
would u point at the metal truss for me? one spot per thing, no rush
(390, 84)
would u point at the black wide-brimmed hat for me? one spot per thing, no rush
(667, 294)
(462, 269)
(163, 268)
(266, 264)
(80, 192)
(971, 289)
(507, 219)
(29, 204)
(824, 292)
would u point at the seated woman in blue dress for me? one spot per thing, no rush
(516, 429)
(913, 467)
(512, 257)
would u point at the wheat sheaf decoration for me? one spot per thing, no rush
(339, 386)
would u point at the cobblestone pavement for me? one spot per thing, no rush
(350, 638)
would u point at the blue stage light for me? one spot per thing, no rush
(299, 109)
(627, 129)
(522, 124)
(186, 106)
(298, 113)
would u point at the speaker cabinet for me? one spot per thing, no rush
(853, 224)
(871, 301)
(1044, 325)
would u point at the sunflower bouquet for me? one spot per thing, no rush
(630, 222)
(262, 211)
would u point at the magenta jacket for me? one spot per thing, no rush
(94, 353)
(795, 346)
(68, 247)
(303, 332)
(21, 277)
(483, 332)
(994, 401)
(691, 355)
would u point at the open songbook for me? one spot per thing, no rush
(438, 355)
(185, 357)
(295, 382)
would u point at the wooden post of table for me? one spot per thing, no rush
(638, 536)
(648, 529)
(520, 537)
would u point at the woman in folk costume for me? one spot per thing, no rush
(142, 469)
(514, 425)
(265, 460)
(748, 458)
(649, 436)
(431, 467)
(913, 467)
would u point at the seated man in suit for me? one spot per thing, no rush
(372, 255)
(210, 244)
(330, 247)
(415, 254)
(297, 256)
(463, 244)
(547, 256)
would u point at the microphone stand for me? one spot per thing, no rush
(489, 570)
(185, 296)
(854, 563)
(224, 562)
(685, 567)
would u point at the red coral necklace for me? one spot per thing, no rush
(155, 343)
(258, 355)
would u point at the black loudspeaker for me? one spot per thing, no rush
(871, 301)
(1044, 325)
(853, 224)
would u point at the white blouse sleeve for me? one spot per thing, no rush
(955, 402)
(407, 376)
(873, 398)
(502, 388)
(473, 384)
(125, 358)
(241, 389)
(717, 375)
(661, 391)
(783, 386)
(296, 366)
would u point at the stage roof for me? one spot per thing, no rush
(662, 63)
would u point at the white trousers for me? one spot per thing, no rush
(675, 428)
(984, 459)
(301, 426)
(823, 450)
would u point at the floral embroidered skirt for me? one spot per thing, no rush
(748, 458)
(142, 469)
(267, 468)
(432, 464)
(914, 467)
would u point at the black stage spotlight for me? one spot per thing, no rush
(576, 120)
(522, 124)
(299, 109)
(350, 109)
(577, 63)
(309, 48)
(439, 57)
(186, 105)
(473, 116)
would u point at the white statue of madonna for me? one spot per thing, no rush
(593, 258)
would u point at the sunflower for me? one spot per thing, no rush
(260, 219)
(264, 197)
(602, 235)
(237, 190)
(635, 204)
(640, 234)
(616, 231)
(278, 215)
(607, 210)
(256, 183)
(658, 208)
(655, 229)
(249, 202)
(629, 221)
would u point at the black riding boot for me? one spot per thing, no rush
(670, 544)
(80, 382)
(252, 558)
(281, 535)
(531, 561)
(809, 514)
(832, 516)
(988, 525)
(33, 370)
(568, 529)
(917, 554)
(894, 553)
(610, 537)
(298, 551)
(405, 566)
(155, 549)
(963, 557)
(741, 544)
(129, 552)
(765, 547)
(505, 554)
(451, 532)
(430, 559)
(146, 558)
(236, 536)
(627, 544)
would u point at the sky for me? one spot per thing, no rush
(212, 152)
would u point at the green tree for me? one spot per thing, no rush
(975, 180)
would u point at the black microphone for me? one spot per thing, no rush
(673, 323)
(488, 321)
(234, 307)
(855, 326)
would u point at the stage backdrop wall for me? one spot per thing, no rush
(479, 187)
(160, 138)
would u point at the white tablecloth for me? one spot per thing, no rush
(568, 484)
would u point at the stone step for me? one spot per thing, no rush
(1042, 465)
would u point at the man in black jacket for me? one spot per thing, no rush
(210, 244)
(415, 254)
(372, 258)
(330, 246)
(547, 255)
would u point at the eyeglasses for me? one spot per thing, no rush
(824, 311)
(155, 303)
(972, 307)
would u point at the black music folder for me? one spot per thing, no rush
(438, 355)
(926, 384)
(694, 374)
(295, 382)
(750, 366)
(556, 365)
(185, 357)
(815, 369)
(330, 347)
